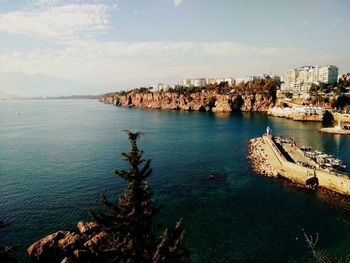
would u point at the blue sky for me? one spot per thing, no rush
(119, 44)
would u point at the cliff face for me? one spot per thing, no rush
(206, 101)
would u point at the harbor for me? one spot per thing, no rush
(280, 157)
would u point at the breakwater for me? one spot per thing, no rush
(296, 116)
(306, 113)
(335, 130)
(267, 159)
(210, 101)
(258, 155)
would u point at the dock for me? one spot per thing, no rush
(287, 160)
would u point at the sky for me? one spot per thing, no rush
(92, 47)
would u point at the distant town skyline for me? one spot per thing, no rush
(91, 47)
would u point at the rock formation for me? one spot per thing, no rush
(67, 246)
(199, 101)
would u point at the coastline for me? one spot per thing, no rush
(311, 117)
(297, 116)
(209, 101)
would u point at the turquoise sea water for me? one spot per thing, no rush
(57, 157)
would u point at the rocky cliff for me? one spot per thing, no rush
(67, 246)
(201, 101)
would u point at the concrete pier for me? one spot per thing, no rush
(267, 159)
(335, 130)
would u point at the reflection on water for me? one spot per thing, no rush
(222, 115)
(56, 158)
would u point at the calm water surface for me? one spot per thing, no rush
(57, 157)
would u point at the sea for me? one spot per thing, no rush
(57, 158)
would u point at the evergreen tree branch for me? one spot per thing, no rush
(129, 220)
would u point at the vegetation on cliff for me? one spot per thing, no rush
(267, 85)
(257, 95)
(327, 118)
(339, 88)
(333, 95)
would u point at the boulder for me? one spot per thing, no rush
(55, 247)
(97, 241)
(88, 228)
(67, 260)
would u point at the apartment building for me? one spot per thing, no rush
(301, 79)
(257, 77)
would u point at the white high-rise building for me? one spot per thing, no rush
(301, 79)
(328, 74)
(200, 82)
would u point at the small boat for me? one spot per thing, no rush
(211, 176)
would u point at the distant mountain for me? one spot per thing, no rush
(72, 97)
(37, 85)
(5, 96)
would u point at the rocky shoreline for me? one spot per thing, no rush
(297, 116)
(209, 101)
(345, 118)
(67, 246)
(258, 158)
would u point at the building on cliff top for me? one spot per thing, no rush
(300, 79)
(199, 82)
(257, 77)
(159, 87)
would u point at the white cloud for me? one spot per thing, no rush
(43, 3)
(105, 64)
(60, 23)
(115, 61)
(177, 2)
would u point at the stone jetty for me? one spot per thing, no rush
(285, 159)
(259, 158)
(334, 130)
(338, 129)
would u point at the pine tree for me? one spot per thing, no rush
(5, 251)
(129, 219)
